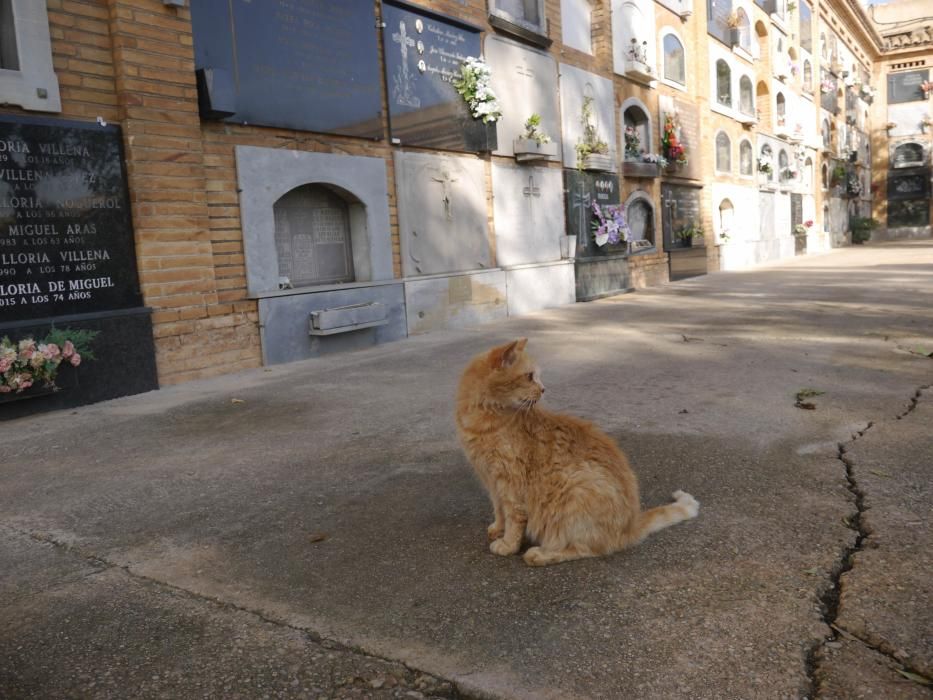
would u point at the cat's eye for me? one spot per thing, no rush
(530, 376)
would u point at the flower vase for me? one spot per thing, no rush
(568, 247)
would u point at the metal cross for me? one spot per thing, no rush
(446, 180)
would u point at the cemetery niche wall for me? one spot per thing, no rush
(312, 65)
(423, 54)
(68, 260)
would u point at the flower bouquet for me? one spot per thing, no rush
(609, 224)
(473, 86)
(671, 147)
(32, 362)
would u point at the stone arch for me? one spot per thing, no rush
(908, 155)
(746, 158)
(723, 152)
(264, 175)
(636, 114)
(725, 223)
(674, 67)
(314, 237)
(640, 216)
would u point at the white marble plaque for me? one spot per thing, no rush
(441, 213)
(525, 81)
(529, 214)
(575, 86)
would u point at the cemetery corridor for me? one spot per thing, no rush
(312, 529)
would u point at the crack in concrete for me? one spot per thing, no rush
(914, 400)
(829, 600)
(459, 693)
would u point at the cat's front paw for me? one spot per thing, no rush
(502, 548)
(495, 531)
(690, 505)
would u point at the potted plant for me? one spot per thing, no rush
(925, 123)
(636, 62)
(927, 87)
(592, 151)
(687, 234)
(674, 152)
(609, 224)
(534, 143)
(29, 367)
(839, 175)
(862, 228)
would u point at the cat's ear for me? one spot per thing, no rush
(506, 355)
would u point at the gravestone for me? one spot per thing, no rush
(687, 118)
(905, 87)
(598, 270)
(441, 213)
(310, 65)
(909, 185)
(796, 217)
(529, 214)
(915, 212)
(67, 254)
(581, 190)
(680, 207)
(717, 22)
(766, 230)
(525, 82)
(423, 54)
(576, 85)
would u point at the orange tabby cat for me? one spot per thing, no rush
(557, 479)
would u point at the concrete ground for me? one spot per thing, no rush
(313, 530)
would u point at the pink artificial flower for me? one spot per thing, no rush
(25, 384)
(75, 360)
(5, 364)
(52, 351)
(68, 349)
(4, 389)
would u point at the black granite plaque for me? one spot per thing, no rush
(581, 190)
(423, 53)
(914, 184)
(717, 19)
(905, 87)
(796, 209)
(66, 235)
(914, 212)
(680, 207)
(299, 64)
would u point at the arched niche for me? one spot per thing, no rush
(636, 116)
(725, 222)
(908, 155)
(266, 175)
(313, 238)
(641, 219)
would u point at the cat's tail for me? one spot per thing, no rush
(684, 507)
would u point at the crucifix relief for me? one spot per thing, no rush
(446, 181)
(531, 191)
(401, 90)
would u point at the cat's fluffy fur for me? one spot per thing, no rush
(556, 479)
